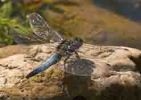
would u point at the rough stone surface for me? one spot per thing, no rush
(102, 73)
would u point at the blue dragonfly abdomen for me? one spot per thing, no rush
(51, 61)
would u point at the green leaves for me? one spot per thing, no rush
(10, 25)
(6, 25)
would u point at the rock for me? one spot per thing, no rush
(102, 72)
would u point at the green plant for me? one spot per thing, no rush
(9, 25)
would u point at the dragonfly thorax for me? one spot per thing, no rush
(67, 47)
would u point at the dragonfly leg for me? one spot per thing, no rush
(65, 61)
(77, 55)
(65, 90)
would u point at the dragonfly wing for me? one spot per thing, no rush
(79, 67)
(84, 67)
(41, 28)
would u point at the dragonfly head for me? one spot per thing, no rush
(78, 42)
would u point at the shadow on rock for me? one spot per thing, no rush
(77, 78)
(137, 61)
(120, 92)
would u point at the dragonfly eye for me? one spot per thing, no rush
(78, 40)
(77, 43)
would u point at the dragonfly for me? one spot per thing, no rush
(65, 49)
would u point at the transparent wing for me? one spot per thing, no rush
(84, 67)
(41, 29)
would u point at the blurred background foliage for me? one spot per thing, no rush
(100, 22)
(14, 26)
(10, 24)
